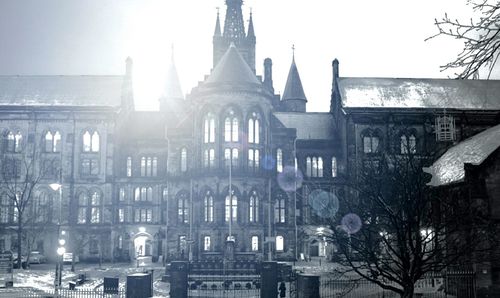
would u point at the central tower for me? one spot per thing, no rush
(234, 32)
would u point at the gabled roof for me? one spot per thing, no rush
(85, 91)
(310, 126)
(232, 68)
(419, 93)
(449, 167)
(293, 87)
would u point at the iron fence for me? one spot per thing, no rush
(224, 286)
(64, 293)
(436, 285)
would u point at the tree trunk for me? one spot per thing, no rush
(408, 291)
(19, 242)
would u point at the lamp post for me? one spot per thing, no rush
(61, 241)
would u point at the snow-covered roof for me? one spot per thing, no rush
(449, 167)
(419, 93)
(103, 91)
(310, 126)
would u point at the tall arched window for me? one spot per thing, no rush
(231, 131)
(17, 142)
(183, 160)
(209, 158)
(279, 160)
(254, 207)
(209, 129)
(209, 207)
(314, 166)
(231, 157)
(334, 166)
(82, 207)
(4, 208)
(253, 159)
(279, 210)
(183, 209)
(408, 144)
(95, 202)
(52, 141)
(13, 141)
(231, 210)
(91, 142)
(254, 129)
(255, 243)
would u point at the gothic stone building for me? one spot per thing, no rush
(232, 160)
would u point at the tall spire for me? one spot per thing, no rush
(172, 85)
(234, 28)
(251, 32)
(217, 32)
(294, 98)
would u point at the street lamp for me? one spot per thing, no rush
(61, 241)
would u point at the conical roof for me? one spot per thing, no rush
(293, 88)
(173, 86)
(232, 68)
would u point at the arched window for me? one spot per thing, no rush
(52, 141)
(209, 158)
(279, 210)
(206, 243)
(308, 167)
(254, 207)
(231, 210)
(231, 131)
(129, 166)
(95, 202)
(82, 207)
(4, 208)
(13, 141)
(183, 209)
(280, 243)
(41, 208)
(408, 144)
(255, 243)
(254, 129)
(231, 157)
(253, 159)
(91, 142)
(314, 166)
(17, 142)
(334, 166)
(209, 207)
(279, 160)
(183, 160)
(370, 142)
(149, 166)
(209, 129)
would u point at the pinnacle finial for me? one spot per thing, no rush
(172, 53)
(293, 52)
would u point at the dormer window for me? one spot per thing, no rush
(445, 128)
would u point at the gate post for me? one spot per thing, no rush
(269, 280)
(179, 279)
(308, 286)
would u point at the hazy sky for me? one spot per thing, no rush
(383, 38)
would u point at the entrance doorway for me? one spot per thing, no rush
(143, 245)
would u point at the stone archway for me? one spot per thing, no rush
(143, 244)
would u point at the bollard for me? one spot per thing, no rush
(308, 286)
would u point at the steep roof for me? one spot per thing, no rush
(293, 87)
(419, 93)
(104, 91)
(173, 88)
(310, 126)
(449, 167)
(232, 68)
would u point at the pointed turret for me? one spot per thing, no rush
(217, 32)
(234, 32)
(294, 98)
(172, 91)
(251, 32)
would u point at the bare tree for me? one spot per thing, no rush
(391, 230)
(481, 37)
(19, 177)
